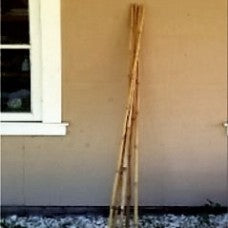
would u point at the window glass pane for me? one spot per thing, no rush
(14, 22)
(15, 81)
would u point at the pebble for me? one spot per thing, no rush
(148, 221)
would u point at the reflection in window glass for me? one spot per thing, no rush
(14, 22)
(15, 81)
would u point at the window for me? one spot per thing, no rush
(31, 68)
(20, 61)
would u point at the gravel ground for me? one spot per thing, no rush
(156, 221)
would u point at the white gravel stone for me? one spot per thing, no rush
(146, 221)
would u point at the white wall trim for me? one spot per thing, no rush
(51, 60)
(29, 129)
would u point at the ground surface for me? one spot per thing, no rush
(148, 221)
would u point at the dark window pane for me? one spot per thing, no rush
(15, 81)
(14, 22)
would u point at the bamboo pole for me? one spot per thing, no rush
(130, 161)
(129, 178)
(136, 155)
(134, 24)
(125, 165)
(136, 55)
(133, 9)
(120, 166)
(126, 169)
(141, 11)
(125, 173)
(122, 170)
(136, 221)
(117, 175)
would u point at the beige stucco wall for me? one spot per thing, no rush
(183, 103)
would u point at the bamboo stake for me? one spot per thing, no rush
(119, 169)
(120, 176)
(136, 56)
(135, 150)
(129, 189)
(120, 166)
(133, 9)
(124, 177)
(125, 163)
(126, 153)
(129, 178)
(134, 24)
(136, 160)
(130, 163)
(117, 175)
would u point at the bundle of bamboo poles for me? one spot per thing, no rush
(125, 186)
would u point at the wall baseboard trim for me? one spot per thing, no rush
(50, 211)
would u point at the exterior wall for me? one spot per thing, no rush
(183, 88)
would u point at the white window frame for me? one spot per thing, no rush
(35, 69)
(45, 118)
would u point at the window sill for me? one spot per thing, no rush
(31, 129)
